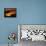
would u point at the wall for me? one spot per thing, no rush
(28, 12)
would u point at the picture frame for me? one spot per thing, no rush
(10, 12)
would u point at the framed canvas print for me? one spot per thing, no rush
(32, 32)
(9, 12)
